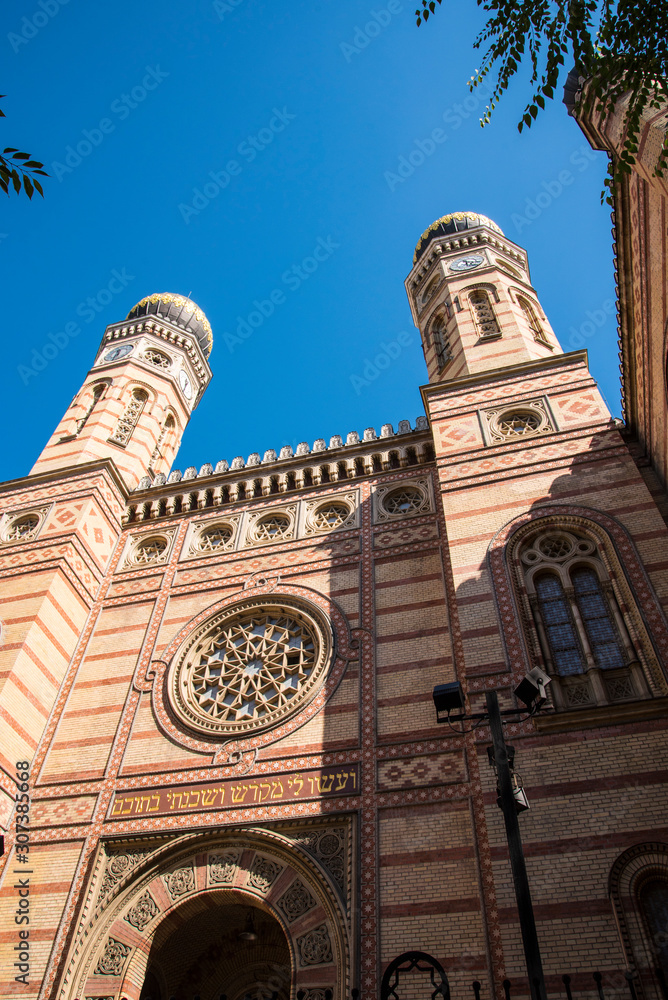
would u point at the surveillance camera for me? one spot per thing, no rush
(532, 689)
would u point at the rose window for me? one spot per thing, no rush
(252, 668)
(156, 358)
(405, 500)
(22, 528)
(272, 527)
(518, 423)
(555, 546)
(215, 537)
(330, 516)
(149, 550)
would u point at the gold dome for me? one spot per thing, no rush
(453, 223)
(179, 310)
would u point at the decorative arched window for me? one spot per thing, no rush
(533, 322)
(639, 894)
(128, 421)
(163, 442)
(98, 392)
(483, 314)
(584, 642)
(653, 904)
(441, 342)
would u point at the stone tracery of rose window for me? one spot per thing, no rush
(252, 669)
(330, 516)
(22, 529)
(518, 422)
(404, 500)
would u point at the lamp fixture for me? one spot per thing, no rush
(248, 934)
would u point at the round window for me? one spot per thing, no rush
(272, 527)
(156, 358)
(214, 537)
(149, 550)
(518, 422)
(330, 516)
(253, 667)
(404, 500)
(23, 528)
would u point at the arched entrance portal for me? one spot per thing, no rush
(242, 912)
(221, 947)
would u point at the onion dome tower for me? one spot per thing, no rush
(149, 374)
(471, 297)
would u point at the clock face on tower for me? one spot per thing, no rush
(466, 263)
(185, 384)
(118, 352)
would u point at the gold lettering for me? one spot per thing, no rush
(209, 796)
(139, 803)
(342, 777)
(254, 787)
(277, 791)
(296, 780)
(129, 801)
(323, 787)
(193, 805)
(239, 793)
(157, 804)
(117, 802)
(263, 785)
(172, 796)
(314, 783)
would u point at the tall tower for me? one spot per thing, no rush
(471, 297)
(149, 374)
(60, 525)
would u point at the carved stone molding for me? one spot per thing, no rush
(118, 866)
(315, 948)
(142, 913)
(263, 873)
(222, 867)
(296, 901)
(329, 848)
(179, 882)
(112, 961)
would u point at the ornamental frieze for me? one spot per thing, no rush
(323, 782)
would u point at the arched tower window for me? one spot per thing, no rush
(483, 314)
(128, 421)
(98, 393)
(531, 317)
(163, 442)
(441, 342)
(581, 632)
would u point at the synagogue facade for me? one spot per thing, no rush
(216, 686)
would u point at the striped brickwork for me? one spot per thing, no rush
(144, 829)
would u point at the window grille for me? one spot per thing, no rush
(128, 421)
(483, 314)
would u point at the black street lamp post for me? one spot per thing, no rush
(532, 691)
(517, 864)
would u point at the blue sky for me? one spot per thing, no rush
(314, 104)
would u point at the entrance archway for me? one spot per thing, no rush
(236, 949)
(168, 922)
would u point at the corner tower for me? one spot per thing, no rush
(471, 297)
(148, 376)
